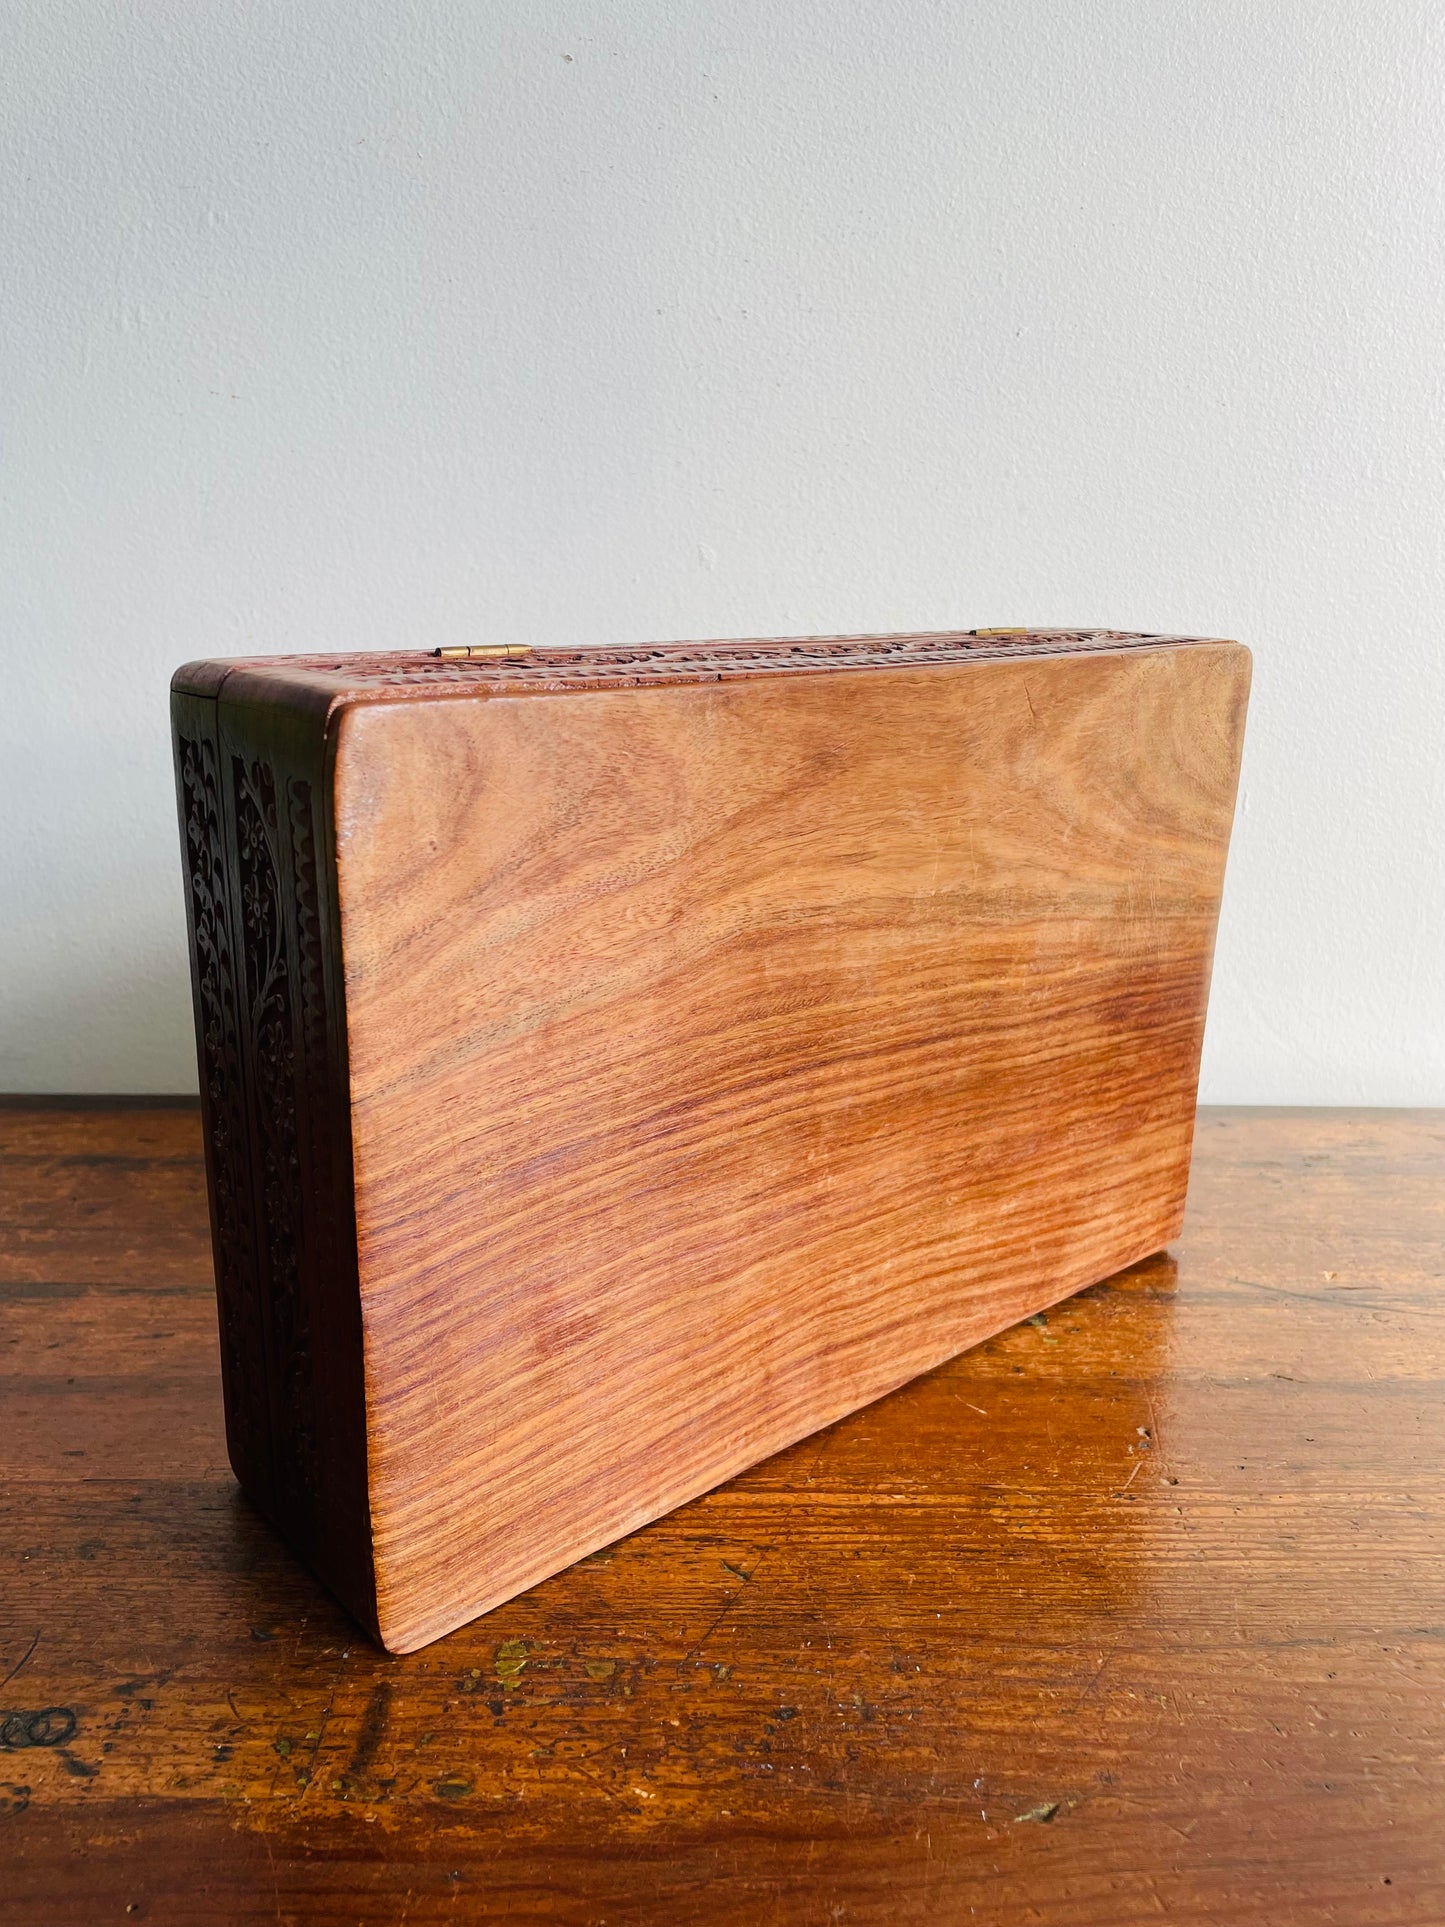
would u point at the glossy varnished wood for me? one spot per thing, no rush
(1166, 1567)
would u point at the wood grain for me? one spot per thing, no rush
(724, 1055)
(1168, 1564)
(703, 1050)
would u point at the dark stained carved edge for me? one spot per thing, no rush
(218, 1036)
(270, 1030)
(308, 989)
(271, 1041)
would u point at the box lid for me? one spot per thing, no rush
(508, 669)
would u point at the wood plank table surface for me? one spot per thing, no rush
(1135, 1613)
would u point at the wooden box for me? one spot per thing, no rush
(618, 1064)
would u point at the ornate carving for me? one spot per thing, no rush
(273, 1067)
(568, 669)
(271, 1034)
(242, 1342)
(321, 1229)
(310, 987)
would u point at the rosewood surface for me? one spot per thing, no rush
(620, 1064)
(1133, 1614)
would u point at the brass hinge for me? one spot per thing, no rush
(486, 651)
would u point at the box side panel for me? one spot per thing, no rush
(207, 839)
(271, 1030)
(722, 1056)
(1220, 712)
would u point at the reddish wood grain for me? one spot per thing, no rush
(1168, 1564)
(724, 1054)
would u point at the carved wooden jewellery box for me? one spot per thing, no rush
(618, 1064)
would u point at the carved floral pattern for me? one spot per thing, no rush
(568, 669)
(220, 1030)
(271, 1035)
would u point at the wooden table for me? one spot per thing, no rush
(1133, 1614)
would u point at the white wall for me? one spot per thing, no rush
(363, 324)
